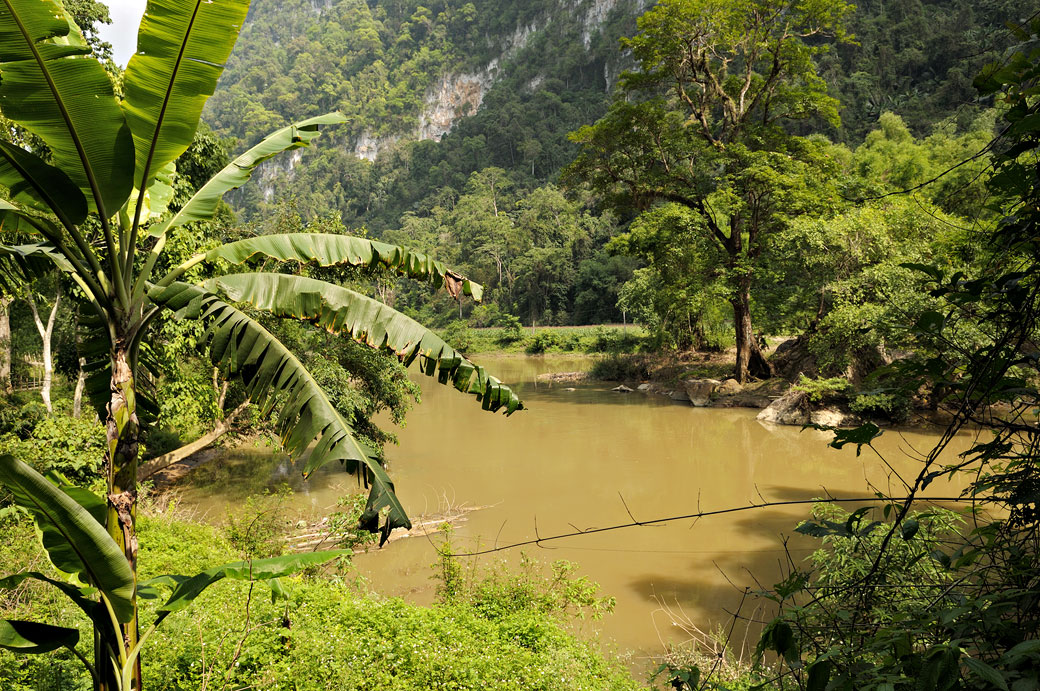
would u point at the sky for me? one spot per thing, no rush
(122, 32)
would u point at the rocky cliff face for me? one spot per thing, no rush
(269, 171)
(460, 95)
(595, 15)
(455, 96)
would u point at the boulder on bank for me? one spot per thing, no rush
(792, 358)
(699, 391)
(729, 387)
(744, 399)
(828, 417)
(790, 409)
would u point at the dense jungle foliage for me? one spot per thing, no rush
(473, 195)
(861, 179)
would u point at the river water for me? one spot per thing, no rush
(589, 457)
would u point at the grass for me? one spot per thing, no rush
(499, 632)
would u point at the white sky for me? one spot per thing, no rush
(122, 32)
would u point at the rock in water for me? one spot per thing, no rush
(790, 409)
(699, 391)
(828, 417)
(622, 389)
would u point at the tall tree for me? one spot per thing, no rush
(701, 123)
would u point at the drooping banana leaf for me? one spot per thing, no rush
(40, 185)
(186, 589)
(243, 348)
(181, 50)
(343, 311)
(339, 250)
(22, 263)
(95, 505)
(204, 202)
(76, 543)
(18, 219)
(28, 637)
(53, 88)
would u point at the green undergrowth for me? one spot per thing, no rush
(498, 632)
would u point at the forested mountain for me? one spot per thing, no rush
(447, 96)
(439, 90)
(527, 72)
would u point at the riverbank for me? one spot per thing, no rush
(489, 629)
(705, 380)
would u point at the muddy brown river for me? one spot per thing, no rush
(587, 458)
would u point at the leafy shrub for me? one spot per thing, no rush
(19, 414)
(487, 314)
(324, 636)
(541, 342)
(187, 404)
(620, 368)
(342, 525)
(258, 529)
(459, 336)
(865, 634)
(893, 406)
(821, 389)
(74, 447)
(512, 330)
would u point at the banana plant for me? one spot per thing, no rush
(97, 203)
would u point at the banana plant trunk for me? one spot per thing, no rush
(122, 435)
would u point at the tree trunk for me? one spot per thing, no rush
(122, 431)
(46, 335)
(5, 344)
(750, 360)
(81, 384)
(167, 459)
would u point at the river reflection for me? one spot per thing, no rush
(589, 457)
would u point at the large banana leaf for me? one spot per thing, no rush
(24, 263)
(338, 250)
(53, 88)
(16, 219)
(40, 185)
(157, 197)
(28, 637)
(75, 541)
(181, 49)
(245, 349)
(203, 203)
(343, 311)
